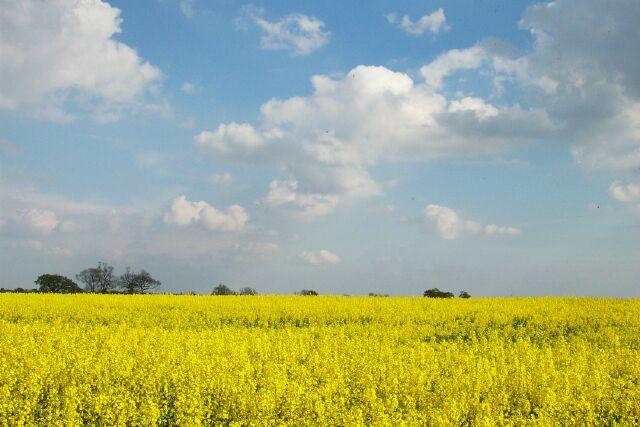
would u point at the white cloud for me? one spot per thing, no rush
(133, 231)
(221, 178)
(578, 73)
(327, 141)
(374, 113)
(433, 23)
(284, 196)
(59, 50)
(582, 53)
(188, 88)
(478, 106)
(39, 220)
(230, 138)
(574, 84)
(450, 225)
(184, 213)
(299, 34)
(321, 257)
(629, 193)
(456, 59)
(495, 230)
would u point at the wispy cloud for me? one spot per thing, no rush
(321, 257)
(297, 33)
(433, 23)
(450, 225)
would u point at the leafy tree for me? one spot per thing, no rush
(57, 284)
(247, 291)
(222, 290)
(308, 292)
(373, 294)
(98, 279)
(437, 293)
(464, 294)
(137, 283)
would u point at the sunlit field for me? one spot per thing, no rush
(265, 360)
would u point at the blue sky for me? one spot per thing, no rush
(491, 146)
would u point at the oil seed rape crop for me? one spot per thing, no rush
(279, 360)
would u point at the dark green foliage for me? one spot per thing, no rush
(56, 283)
(308, 292)
(437, 293)
(247, 291)
(464, 294)
(222, 290)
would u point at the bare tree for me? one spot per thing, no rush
(89, 277)
(137, 283)
(98, 279)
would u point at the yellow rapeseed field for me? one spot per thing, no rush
(289, 360)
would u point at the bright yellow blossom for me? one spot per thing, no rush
(69, 360)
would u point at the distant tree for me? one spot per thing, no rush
(56, 283)
(20, 290)
(464, 294)
(99, 279)
(247, 291)
(137, 283)
(437, 293)
(222, 290)
(308, 292)
(373, 294)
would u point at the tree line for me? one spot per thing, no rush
(98, 280)
(103, 280)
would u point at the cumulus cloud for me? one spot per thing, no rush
(61, 50)
(450, 225)
(183, 213)
(321, 257)
(433, 23)
(582, 53)
(579, 73)
(453, 60)
(297, 33)
(628, 193)
(284, 196)
(132, 231)
(231, 139)
(39, 220)
(574, 84)
(326, 142)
